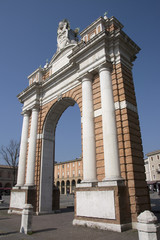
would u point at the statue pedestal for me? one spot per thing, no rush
(102, 205)
(21, 196)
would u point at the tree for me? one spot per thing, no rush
(10, 155)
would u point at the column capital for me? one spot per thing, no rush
(106, 66)
(85, 77)
(36, 107)
(26, 112)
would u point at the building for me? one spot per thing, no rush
(95, 73)
(152, 170)
(67, 175)
(7, 178)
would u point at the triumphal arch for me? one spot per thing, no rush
(96, 73)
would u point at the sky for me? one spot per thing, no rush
(28, 36)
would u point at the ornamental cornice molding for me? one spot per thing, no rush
(119, 39)
(85, 46)
(34, 88)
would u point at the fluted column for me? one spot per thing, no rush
(23, 150)
(89, 150)
(110, 142)
(32, 148)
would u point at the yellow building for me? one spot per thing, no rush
(67, 175)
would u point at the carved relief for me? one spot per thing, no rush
(65, 35)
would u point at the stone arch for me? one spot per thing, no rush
(48, 151)
(112, 146)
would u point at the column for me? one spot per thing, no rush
(89, 149)
(110, 142)
(23, 150)
(32, 148)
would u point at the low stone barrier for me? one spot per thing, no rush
(148, 228)
(26, 220)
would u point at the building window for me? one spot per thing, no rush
(154, 177)
(157, 156)
(58, 167)
(73, 173)
(73, 164)
(159, 166)
(58, 175)
(152, 158)
(67, 165)
(79, 173)
(79, 164)
(62, 166)
(68, 174)
(152, 167)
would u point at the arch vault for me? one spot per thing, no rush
(96, 73)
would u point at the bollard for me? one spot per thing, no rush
(26, 220)
(147, 226)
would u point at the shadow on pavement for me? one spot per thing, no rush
(4, 218)
(65, 210)
(44, 230)
(7, 233)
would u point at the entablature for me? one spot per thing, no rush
(108, 44)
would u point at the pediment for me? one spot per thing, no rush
(63, 52)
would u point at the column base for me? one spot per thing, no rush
(111, 182)
(110, 179)
(87, 184)
(104, 205)
(102, 225)
(21, 196)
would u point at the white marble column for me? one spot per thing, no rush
(110, 142)
(32, 148)
(89, 149)
(23, 150)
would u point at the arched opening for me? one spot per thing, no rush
(48, 155)
(62, 187)
(73, 185)
(68, 135)
(79, 181)
(68, 187)
(58, 184)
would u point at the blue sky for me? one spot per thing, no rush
(28, 31)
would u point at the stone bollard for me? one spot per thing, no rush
(26, 220)
(147, 227)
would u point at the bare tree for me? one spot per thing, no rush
(10, 155)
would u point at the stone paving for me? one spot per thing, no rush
(59, 226)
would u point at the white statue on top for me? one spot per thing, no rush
(65, 35)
